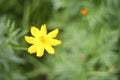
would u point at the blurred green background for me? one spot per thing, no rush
(91, 43)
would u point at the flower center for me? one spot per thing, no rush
(42, 39)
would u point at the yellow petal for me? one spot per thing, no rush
(54, 42)
(49, 49)
(53, 33)
(34, 31)
(29, 39)
(43, 30)
(33, 49)
(40, 51)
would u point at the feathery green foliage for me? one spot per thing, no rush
(9, 60)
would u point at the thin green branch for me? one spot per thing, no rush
(20, 48)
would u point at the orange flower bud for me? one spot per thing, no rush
(83, 11)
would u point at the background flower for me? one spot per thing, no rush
(84, 11)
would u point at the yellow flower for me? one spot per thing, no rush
(41, 40)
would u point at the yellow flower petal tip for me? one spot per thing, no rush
(43, 27)
(53, 33)
(26, 38)
(56, 31)
(41, 41)
(60, 42)
(33, 28)
(52, 53)
(29, 39)
(34, 31)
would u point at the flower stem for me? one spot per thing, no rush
(20, 48)
(98, 73)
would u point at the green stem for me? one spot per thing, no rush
(20, 48)
(98, 73)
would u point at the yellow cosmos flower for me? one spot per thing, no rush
(41, 40)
